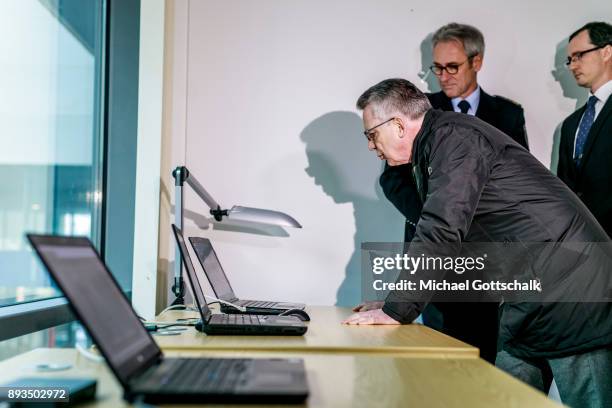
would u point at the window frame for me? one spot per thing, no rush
(29, 317)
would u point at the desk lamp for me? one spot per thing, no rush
(248, 214)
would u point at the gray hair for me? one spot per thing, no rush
(471, 38)
(393, 96)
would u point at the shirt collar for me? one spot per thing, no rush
(604, 92)
(473, 99)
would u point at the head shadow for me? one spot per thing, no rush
(563, 76)
(425, 75)
(339, 162)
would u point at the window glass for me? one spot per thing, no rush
(50, 144)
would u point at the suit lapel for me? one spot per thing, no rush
(569, 140)
(486, 108)
(445, 102)
(596, 130)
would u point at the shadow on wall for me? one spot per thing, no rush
(339, 162)
(427, 77)
(570, 89)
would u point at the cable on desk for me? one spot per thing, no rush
(225, 302)
(182, 307)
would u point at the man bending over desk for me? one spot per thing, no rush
(477, 185)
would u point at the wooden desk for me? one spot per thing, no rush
(326, 334)
(359, 380)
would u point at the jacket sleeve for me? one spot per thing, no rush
(459, 167)
(398, 186)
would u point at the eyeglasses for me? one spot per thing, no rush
(451, 68)
(577, 56)
(368, 132)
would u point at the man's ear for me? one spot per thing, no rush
(477, 62)
(607, 53)
(401, 128)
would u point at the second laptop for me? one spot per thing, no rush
(222, 288)
(232, 323)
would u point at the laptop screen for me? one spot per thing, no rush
(98, 302)
(192, 277)
(212, 268)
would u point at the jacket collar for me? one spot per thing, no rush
(425, 130)
(487, 107)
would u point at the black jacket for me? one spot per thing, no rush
(498, 111)
(477, 185)
(592, 182)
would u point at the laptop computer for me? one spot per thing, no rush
(234, 323)
(222, 288)
(133, 356)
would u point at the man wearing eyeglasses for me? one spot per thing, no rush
(585, 151)
(458, 51)
(479, 186)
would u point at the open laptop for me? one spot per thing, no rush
(134, 357)
(233, 323)
(222, 288)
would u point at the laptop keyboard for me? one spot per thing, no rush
(189, 375)
(240, 319)
(258, 303)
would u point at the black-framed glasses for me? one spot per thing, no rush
(577, 56)
(451, 68)
(368, 132)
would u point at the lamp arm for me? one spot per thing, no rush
(181, 175)
(202, 193)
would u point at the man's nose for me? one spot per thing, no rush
(444, 76)
(572, 66)
(371, 145)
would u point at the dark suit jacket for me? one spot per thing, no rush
(592, 182)
(498, 111)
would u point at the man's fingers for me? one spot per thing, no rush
(359, 318)
(376, 316)
(353, 319)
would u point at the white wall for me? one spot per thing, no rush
(263, 90)
(148, 157)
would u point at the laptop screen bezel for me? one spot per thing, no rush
(192, 277)
(195, 241)
(153, 352)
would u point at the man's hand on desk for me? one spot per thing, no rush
(365, 306)
(376, 316)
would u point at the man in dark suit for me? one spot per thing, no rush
(457, 57)
(585, 151)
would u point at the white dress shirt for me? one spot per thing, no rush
(473, 99)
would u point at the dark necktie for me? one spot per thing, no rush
(464, 106)
(583, 130)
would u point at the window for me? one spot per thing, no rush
(51, 162)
